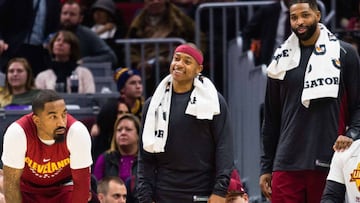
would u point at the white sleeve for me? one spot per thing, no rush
(14, 147)
(336, 168)
(79, 145)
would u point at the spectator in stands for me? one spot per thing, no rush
(86, 11)
(46, 154)
(64, 48)
(102, 131)
(92, 47)
(266, 30)
(108, 24)
(186, 148)
(24, 25)
(112, 189)
(343, 176)
(105, 21)
(129, 85)
(158, 19)
(120, 158)
(236, 193)
(19, 84)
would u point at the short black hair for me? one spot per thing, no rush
(43, 97)
(312, 3)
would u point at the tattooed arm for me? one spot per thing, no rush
(12, 184)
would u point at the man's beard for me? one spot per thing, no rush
(59, 137)
(311, 29)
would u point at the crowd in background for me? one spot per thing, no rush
(108, 20)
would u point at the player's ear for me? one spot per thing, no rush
(101, 197)
(36, 119)
(199, 69)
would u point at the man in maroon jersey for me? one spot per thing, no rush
(47, 155)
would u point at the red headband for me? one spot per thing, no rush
(187, 49)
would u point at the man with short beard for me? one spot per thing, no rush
(312, 106)
(92, 47)
(47, 154)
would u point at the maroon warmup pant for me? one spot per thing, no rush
(298, 186)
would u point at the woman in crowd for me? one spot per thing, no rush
(19, 86)
(65, 75)
(121, 159)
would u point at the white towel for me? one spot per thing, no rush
(203, 103)
(322, 74)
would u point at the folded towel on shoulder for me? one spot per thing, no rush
(203, 104)
(322, 74)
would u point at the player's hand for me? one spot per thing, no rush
(342, 143)
(265, 185)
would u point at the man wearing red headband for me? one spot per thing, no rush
(186, 152)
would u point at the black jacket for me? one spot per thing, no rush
(198, 157)
(299, 138)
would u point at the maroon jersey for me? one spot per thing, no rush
(45, 165)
